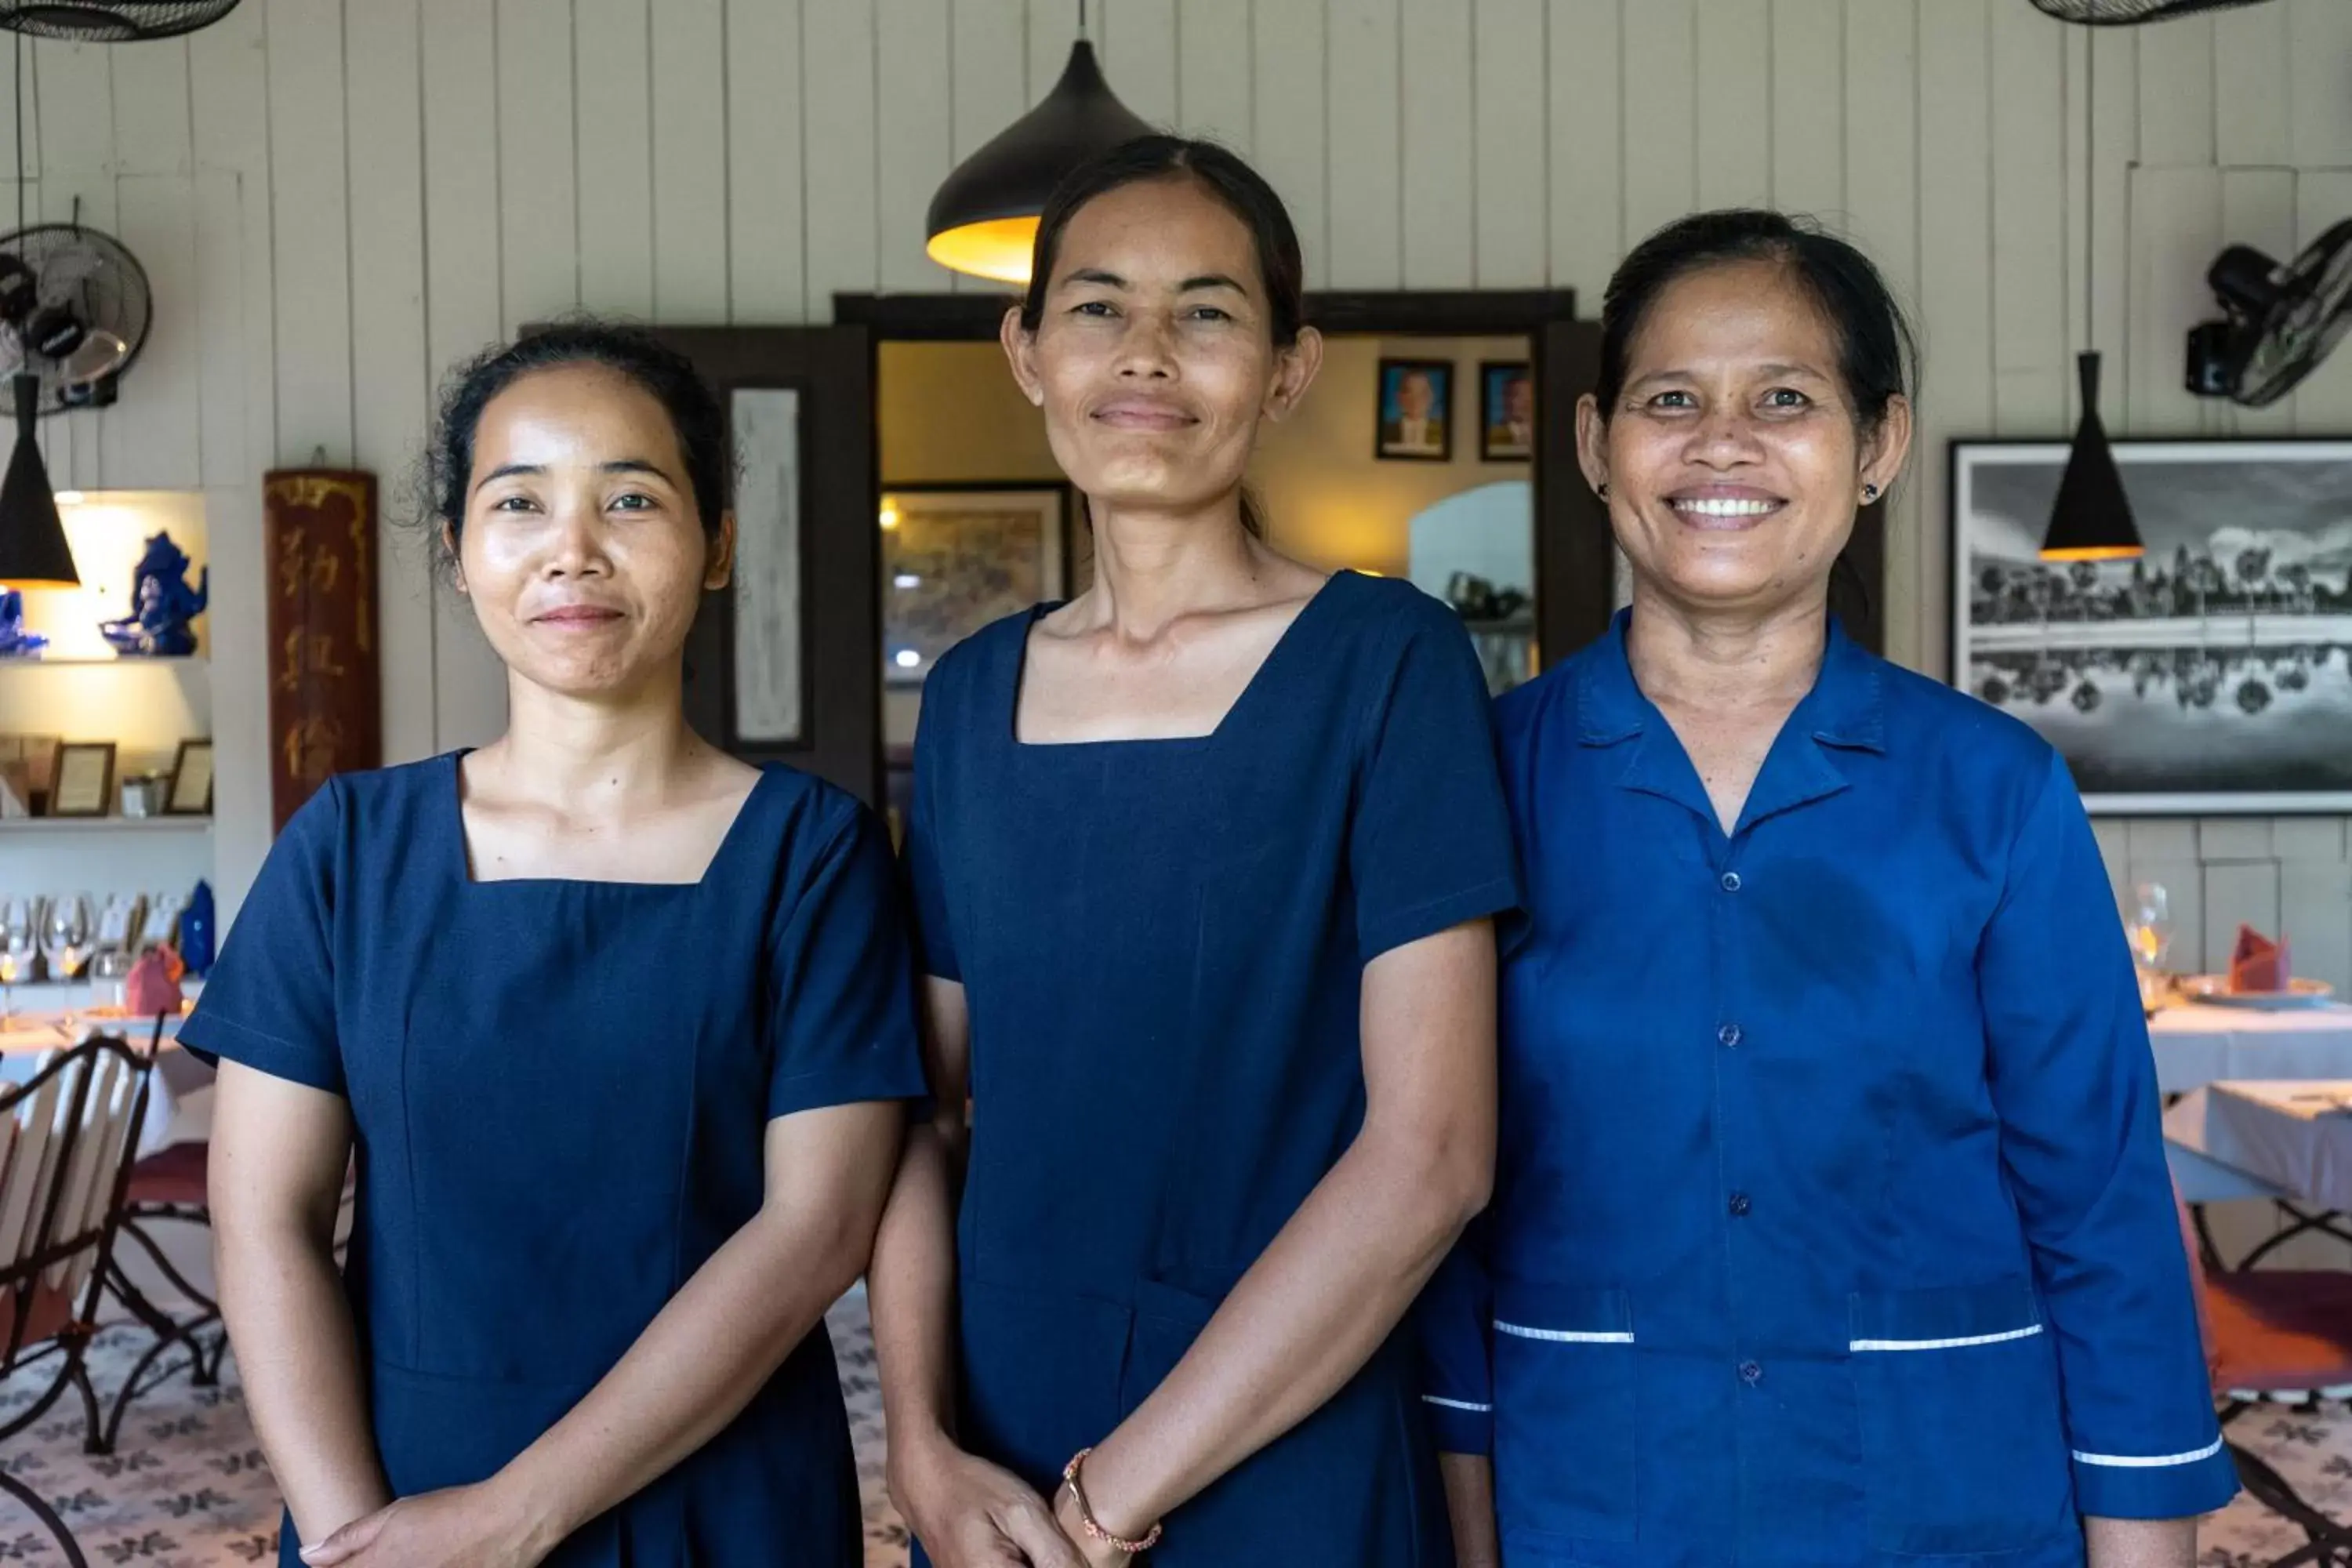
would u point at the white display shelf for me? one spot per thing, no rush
(89, 661)
(105, 824)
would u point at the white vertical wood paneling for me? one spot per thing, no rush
(229, 109)
(539, 209)
(1661, 146)
(1955, 288)
(1440, 207)
(1213, 79)
(2315, 913)
(689, 155)
(1139, 59)
(838, 112)
(1286, 117)
(1808, 123)
(73, 87)
(221, 336)
(1362, 120)
(2239, 893)
(150, 439)
(767, 255)
(1882, 195)
(2177, 68)
(309, 182)
(2234, 839)
(1514, 226)
(458, 56)
(1050, 30)
(913, 137)
(149, 82)
(1585, 169)
(2113, 61)
(390, 390)
(2252, 66)
(1735, 104)
(2175, 213)
(2032, 360)
(612, 140)
(2320, 43)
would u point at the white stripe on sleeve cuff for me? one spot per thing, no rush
(1459, 1405)
(2148, 1462)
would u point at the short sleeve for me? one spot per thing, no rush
(926, 896)
(269, 1002)
(843, 1010)
(1430, 844)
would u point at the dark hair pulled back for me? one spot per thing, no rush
(1241, 190)
(636, 357)
(1877, 353)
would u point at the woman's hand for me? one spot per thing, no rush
(462, 1526)
(1091, 1552)
(968, 1513)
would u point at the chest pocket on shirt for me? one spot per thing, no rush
(1564, 1413)
(1962, 1434)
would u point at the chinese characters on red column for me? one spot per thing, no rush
(325, 712)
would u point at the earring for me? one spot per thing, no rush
(1600, 491)
(1869, 493)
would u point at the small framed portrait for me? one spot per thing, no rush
(1507, 408)
(191, 790)
(84, 784)
(1416, 408)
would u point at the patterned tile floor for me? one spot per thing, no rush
(188, 1487)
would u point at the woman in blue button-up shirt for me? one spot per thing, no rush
(1832, 1222)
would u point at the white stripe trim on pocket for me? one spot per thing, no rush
(1458, 1404)
(2024, 1333)
(2156, 1462)
(1562, 1336)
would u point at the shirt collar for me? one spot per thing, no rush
(1845, 707)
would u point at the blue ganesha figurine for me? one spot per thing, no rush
(16, 642)
(162, 605)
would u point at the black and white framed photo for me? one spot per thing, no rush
(955, 558)
(2211, 675)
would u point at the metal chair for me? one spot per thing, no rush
(67, 1139)
(168, 1188)
(2275, 1335)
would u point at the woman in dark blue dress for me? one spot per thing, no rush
(1831, 1220)
(1205, 862)
(614, 1025)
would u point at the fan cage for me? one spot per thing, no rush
(2130, 13)
(110, 21)
(122, 284)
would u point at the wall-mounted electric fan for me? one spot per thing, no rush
(2279, 322)
(74, 311)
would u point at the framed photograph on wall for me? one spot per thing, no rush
(190, 792)
(2211, 675)
(1506, 411)
(1416, 411)
(955, 558)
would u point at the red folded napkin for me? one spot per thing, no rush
(153, 987)
(2259, 963)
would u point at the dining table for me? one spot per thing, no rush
(178, 1095)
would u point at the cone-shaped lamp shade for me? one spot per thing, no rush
(984, 219)
(2091, 520)
(33, 549)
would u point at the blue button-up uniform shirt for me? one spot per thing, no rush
(1831, 1222)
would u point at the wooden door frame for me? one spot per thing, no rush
(1573, 558)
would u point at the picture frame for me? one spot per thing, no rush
(2211, 676)
(956, 557)
(1412, 410)
(84, 782)
(1506, 411)
(190, 791)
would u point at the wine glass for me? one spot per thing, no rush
(64, 936)
(2148, 922)
(18, 920)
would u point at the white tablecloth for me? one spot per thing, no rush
(2291, 1139)
(25, 1042)
(2197, 1044)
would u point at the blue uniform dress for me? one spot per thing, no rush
(1161, 943)
(561, 1091)
(1832, 1222)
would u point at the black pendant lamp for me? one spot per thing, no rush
(984, 219)
(2092, 518)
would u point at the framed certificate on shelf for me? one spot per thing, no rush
(191, 794)
(84, 782)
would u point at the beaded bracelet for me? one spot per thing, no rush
(1095, 1533)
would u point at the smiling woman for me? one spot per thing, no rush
(618, 1022)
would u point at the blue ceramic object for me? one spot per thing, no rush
(196, 935)
(162, 605)
(16, 642)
